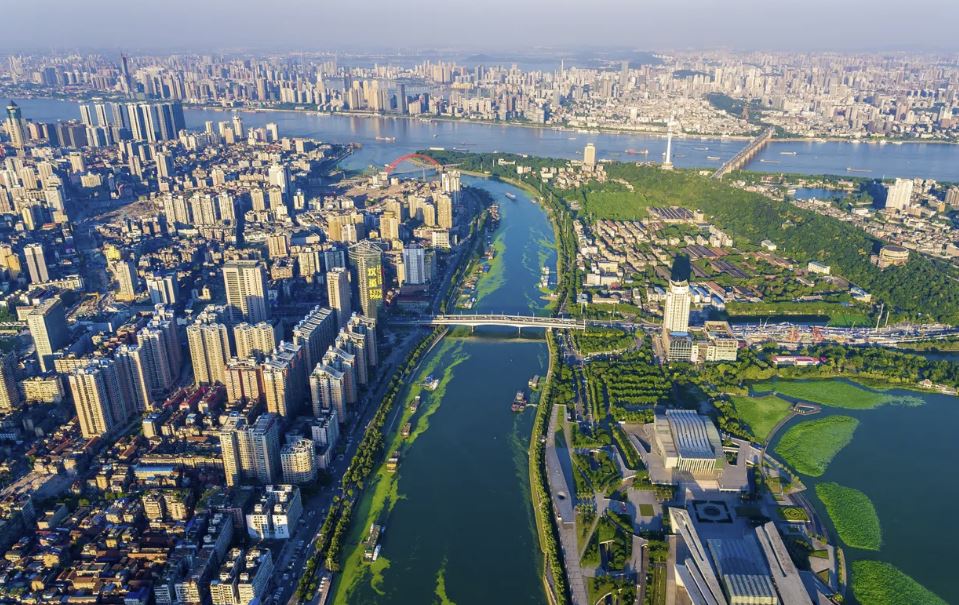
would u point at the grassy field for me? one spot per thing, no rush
(810, 446)
(597, 340)
(834, 393)
(879, 583)
(761, 413)
(838, 315)
(853, 515)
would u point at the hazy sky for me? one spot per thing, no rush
(488, 25)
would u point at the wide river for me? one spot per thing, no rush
(386, 138)
(460, 525)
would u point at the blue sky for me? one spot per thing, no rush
(487, 25)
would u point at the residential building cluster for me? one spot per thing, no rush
(194, 322)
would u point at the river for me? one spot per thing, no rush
(903, 459)
(908, 160)
(459, 519)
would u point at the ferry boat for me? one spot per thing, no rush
(787, 153)
(544, 278)
(519, 402)
(637, 152)
(431, 383)
(371, 550)
(510, 196)
(849, 169)
(712, 158)
(386, 139)
(701, 148)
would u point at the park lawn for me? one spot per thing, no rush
(879, 583)
(838, 315)
(598, 340)
(833, 393)
(646, 510)
(853, 515)
(810, 446)
(762, 414)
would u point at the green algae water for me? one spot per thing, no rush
(902, 458)
(457, 517)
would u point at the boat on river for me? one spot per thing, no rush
(510, 196)
(519, 402)
(430, 383)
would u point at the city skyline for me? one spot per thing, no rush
(603, 325)
(532, 26)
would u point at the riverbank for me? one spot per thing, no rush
(554, 576)
(654, 132)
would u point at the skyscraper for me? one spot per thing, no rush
(251, 452)
(102, 396)
(36, 263)
(366, 260)
(160, 375)
(245, 282)
(48, 327)
(9, 394)
(163, 288)
(14, 126)
(126, 276)
(284, 380)
(91, 396)
(589, 156)
(244, 380)
(414, 262)
(164, 166)
(676, 309)
(899, 194)
(339, 295)
(315, 333)
(133, 370)
(444, 211)
(209, 347)
(254, 339)
(328, 390)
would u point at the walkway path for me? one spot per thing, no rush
(563, 507)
